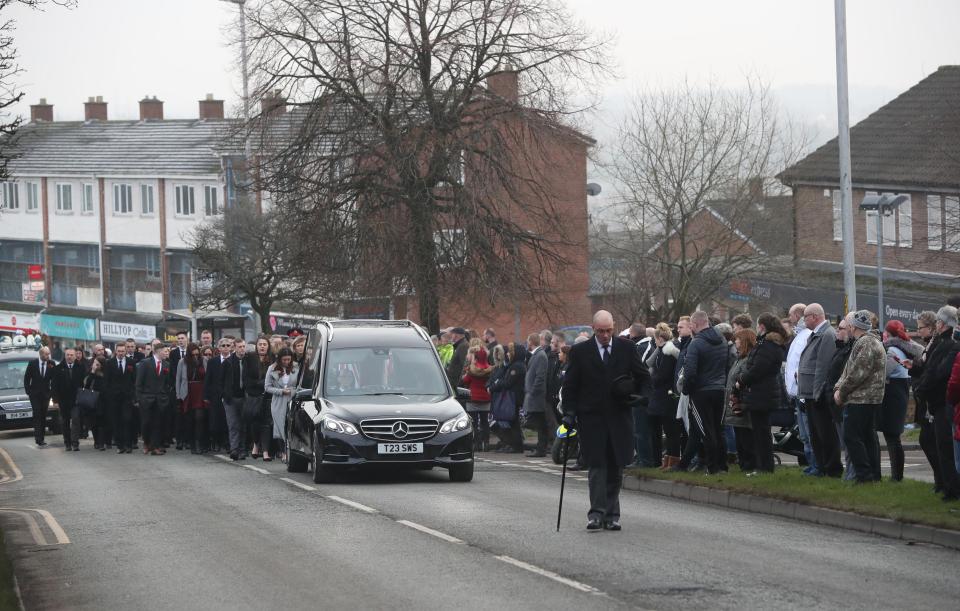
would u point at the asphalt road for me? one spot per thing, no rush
(189, 532)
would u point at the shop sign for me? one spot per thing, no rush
(19, 321)
(68, 326)
(29, 294)
(119, 331)
(35, 272)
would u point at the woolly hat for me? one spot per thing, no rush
(948, 316)
(861, 320)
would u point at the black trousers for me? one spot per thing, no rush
(153, 412)
(746, 454)
(67, 415)
(860, 436)
(762, 439)
(666, 426)
(217, 424)
(943, 431)
(708, 406)
(823, 438)
(890, 420)
(693, 446)
(124, 426)
(538, 422)
(928, 443)
(604, 484)
(39, 404)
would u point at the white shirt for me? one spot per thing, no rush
(793, 359)
(601, 347)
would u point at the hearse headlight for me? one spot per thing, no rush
(460, 423)
(339, 426)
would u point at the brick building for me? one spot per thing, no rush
(910, 146)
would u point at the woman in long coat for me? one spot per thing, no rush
(191, 370)
(758, 385)
(281, 382)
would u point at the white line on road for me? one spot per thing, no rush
(297, 484)
(55, 527)
(224, 457)
(32, 446)
(353, 504)
(430, 531)
(257, 469)
(17, 474)
(550, 575)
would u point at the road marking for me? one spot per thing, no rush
(297, 484)
(32, 446)
(353, 504)
(17, 474)
(257, 469)
(224, 457)
(576, 585)
(430, 531)
(34, 526)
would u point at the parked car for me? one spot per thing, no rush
(15, 409)
(375, 393)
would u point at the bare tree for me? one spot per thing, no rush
(393, 128)
(247, 256)
(694, 165)
(10, 93)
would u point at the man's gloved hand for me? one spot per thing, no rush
(569, 421)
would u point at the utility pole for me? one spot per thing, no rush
(846, 183)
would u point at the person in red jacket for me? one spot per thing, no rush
(953, 398)
(478, 371)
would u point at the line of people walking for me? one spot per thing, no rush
(202, 397)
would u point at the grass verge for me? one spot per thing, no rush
(908, 501)
(8, 597)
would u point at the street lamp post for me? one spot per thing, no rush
(884, 205)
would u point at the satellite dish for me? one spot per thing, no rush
(593, 189)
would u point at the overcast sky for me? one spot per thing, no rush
(179, 50)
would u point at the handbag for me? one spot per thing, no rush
(504, 407)
(87, 399)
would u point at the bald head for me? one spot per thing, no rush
(813, 315)
(699, 321)
(796, 312)
(603, 327)
(602, 317)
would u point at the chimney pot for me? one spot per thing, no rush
(41, 111)
(504, 83)
(273, 104)
(151, 109)
(211, 108)
(95, 109)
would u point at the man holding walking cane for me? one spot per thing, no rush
(602, 375)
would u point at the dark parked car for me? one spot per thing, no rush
(375, 393)
(15, 410)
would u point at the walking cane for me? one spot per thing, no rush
(566, 435)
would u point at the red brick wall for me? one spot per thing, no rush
(814, 235)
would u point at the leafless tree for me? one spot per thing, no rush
(620, 274)
(393, 128)
(693, 164)
(248, 256)
(10, 93)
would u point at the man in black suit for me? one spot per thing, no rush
(119, 381)
(174, 417)
(213, 393)
(152, 391)
(38, 383)
(234, 398)
(66, 383)
(602, 375)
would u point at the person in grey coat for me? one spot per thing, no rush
(812, 389)
(535, 393)
(281, 382)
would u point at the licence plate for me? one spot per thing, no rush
(400, 448)
(18, 415)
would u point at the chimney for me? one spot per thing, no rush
(151, 109)
(41, 111)
(95, 109)
(273, 104)
(210, 108)
(504, 83)
(755, 189)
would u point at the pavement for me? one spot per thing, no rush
(97, 530)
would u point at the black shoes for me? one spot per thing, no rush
(594, 524)
(41, 444)
(612, 525)
(535, 454)
(121, 451)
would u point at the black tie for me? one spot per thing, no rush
(606, 354)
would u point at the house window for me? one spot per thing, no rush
(65, 198)
(837, 216)
(934, 222)
(86, 205)
(951, 223)
(185, 204)
(891, 222)
(451, 247)
(33, 196)
(122, 199)
(10, 196)
(210, 206)
(146, 199)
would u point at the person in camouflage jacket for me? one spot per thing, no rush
(860, 392)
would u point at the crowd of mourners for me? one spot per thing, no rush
(741, 392)
(207, 397)
(714, 393)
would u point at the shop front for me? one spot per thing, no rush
(112, 332)
(19, 324)
(67, 331)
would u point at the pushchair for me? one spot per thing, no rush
(787, 439)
